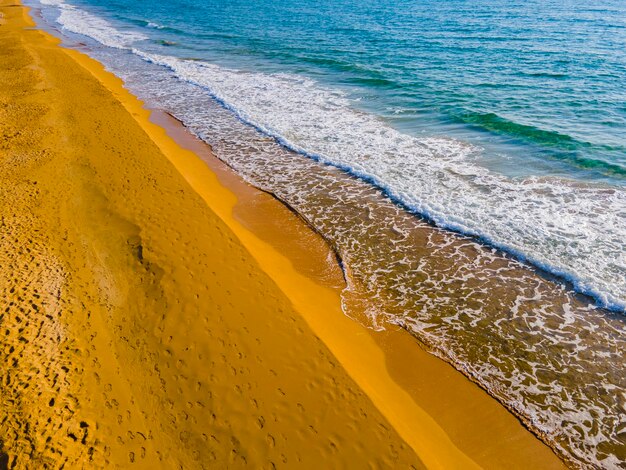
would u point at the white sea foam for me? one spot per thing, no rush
(78, 21)
(545, 360)
(569, 228)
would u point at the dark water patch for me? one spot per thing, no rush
(373, 82)
(573, 151)
(166, 43)
(546, 75)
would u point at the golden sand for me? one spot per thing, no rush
(155, 315)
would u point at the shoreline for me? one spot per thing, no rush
(366, 356)
(404, 355)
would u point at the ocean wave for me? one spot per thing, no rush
(76, 20)
(571, 229)
(571, 147)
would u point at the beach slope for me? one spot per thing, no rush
(142, 325)
(135, 327)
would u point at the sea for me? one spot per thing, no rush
(465, 159)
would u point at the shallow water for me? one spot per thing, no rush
(489, 119)
(352, 170)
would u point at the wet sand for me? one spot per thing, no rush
(157, 311)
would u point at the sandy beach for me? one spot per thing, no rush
(156, 311)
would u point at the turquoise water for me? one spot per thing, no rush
(521, 106)
(503, 125)
(543, 81)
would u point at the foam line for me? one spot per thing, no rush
(565, 210)
(570, 229)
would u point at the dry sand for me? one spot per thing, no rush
(153, 315)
